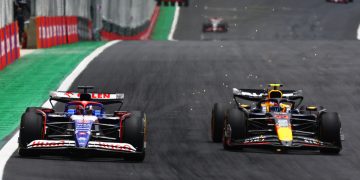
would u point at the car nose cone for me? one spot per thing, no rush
(286, 143)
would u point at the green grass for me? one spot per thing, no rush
(28, 81)
(163, 23)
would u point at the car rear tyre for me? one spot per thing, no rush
(134, 134)
(31, 128)
(217, 122)
(330, 127)
(235, 127)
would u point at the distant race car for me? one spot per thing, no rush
(215, 25)
(340, 1)
(173, 2)
(83, 126)
(275, 121)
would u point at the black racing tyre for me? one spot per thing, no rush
(173, 3)
(166, 3)
(236, 121)
(158, 2)
(31, 127)
(330, 127)
(217, 122)
(186, 3)
(224, 28)
(134, 134)
(204, 28)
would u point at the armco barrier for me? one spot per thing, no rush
(9, 44)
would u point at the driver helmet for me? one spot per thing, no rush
(89, 110)
(270, 106)
(79, 110)
(274, 107)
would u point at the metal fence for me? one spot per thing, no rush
(120, 16)
(127, 13)
(80, 8)
(6, 12)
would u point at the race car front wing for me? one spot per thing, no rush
(96, 145)
(272, 140)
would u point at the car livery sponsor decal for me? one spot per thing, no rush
(91, 144)
(76, 95)
(83, 125)
(255, 139)
(311, 141)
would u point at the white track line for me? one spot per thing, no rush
(358, 33)
(174, 24)
(11, 146)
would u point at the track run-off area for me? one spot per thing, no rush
(309, 45)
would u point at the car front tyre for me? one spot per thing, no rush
(134, 134)
(31, 127)
(330, 127)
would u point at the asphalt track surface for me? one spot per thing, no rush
(176, 84)
(271, 20)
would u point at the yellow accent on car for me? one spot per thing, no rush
(246, 106)
(311, 108)
(276, 92)
(275, 86)
(285, 133)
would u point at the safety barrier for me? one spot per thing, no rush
(84, 29)
(115, 32)
(72, 29)
(9, 44)
(58, 30)
(50, 31)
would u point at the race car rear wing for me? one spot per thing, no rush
(260, 94)
(104, 98)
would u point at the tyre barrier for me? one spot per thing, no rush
(9, 44)
(57, 30)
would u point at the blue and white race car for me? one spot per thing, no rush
(83, 127)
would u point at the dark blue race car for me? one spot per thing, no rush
(83, 127)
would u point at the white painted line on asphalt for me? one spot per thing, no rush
(11, 146)
(65, 85)
(6, 152)
(174, 24)
(358, 33)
